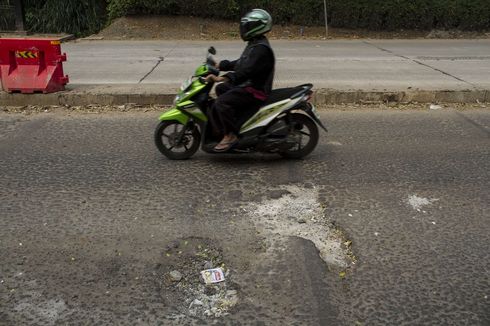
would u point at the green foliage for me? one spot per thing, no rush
(87, 16)
(7, 16)
(71, 16)
(410, 14)
(200, 8)
(370, 14)
(305, 12)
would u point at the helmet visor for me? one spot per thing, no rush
(249, 29)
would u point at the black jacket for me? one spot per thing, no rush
(254, 68)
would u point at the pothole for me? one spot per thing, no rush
(299, 213)
(180, 285)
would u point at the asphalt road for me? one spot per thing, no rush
(338, 64)
(92, 219)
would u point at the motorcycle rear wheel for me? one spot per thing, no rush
(301, 127)
(167, 140)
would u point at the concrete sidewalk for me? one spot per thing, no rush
(343, 71)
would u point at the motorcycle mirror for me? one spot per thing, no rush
(212, 50)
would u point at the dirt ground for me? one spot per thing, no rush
(191, 28)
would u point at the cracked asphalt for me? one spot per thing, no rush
(88, 207)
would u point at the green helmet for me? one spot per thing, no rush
(255, 23)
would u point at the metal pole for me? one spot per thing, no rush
(326, 17)
(19, 16)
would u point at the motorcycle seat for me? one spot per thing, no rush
(280, 94)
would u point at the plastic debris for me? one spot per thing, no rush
(214, 275)
(435, 107)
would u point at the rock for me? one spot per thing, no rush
(208, 265)
(301, 220)
(175, 276)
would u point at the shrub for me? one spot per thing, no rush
(370, 14)
(71, 16)
(410, 14)
(87, 16)
(208, 8)
(7, 16)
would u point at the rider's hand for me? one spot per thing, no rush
(213, 78)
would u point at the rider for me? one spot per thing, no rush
(248, 81)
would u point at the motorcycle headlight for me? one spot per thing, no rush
(186, 84)
(177, 98)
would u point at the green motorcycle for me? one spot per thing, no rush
(286, 124)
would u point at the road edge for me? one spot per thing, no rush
(117, 95)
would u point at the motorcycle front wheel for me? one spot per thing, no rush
(176, 141)
(304, 132)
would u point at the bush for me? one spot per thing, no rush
(88, 16)
(7, 15)
(71, 16)
(305, 12)
(370, 14)
(410, 14)
(208, 8)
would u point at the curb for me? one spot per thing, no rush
(108, 96)
(329, 96)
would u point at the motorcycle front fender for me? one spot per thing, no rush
(174, 114)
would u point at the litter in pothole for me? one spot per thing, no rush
(182, 287)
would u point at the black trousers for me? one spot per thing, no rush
(233, 107)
